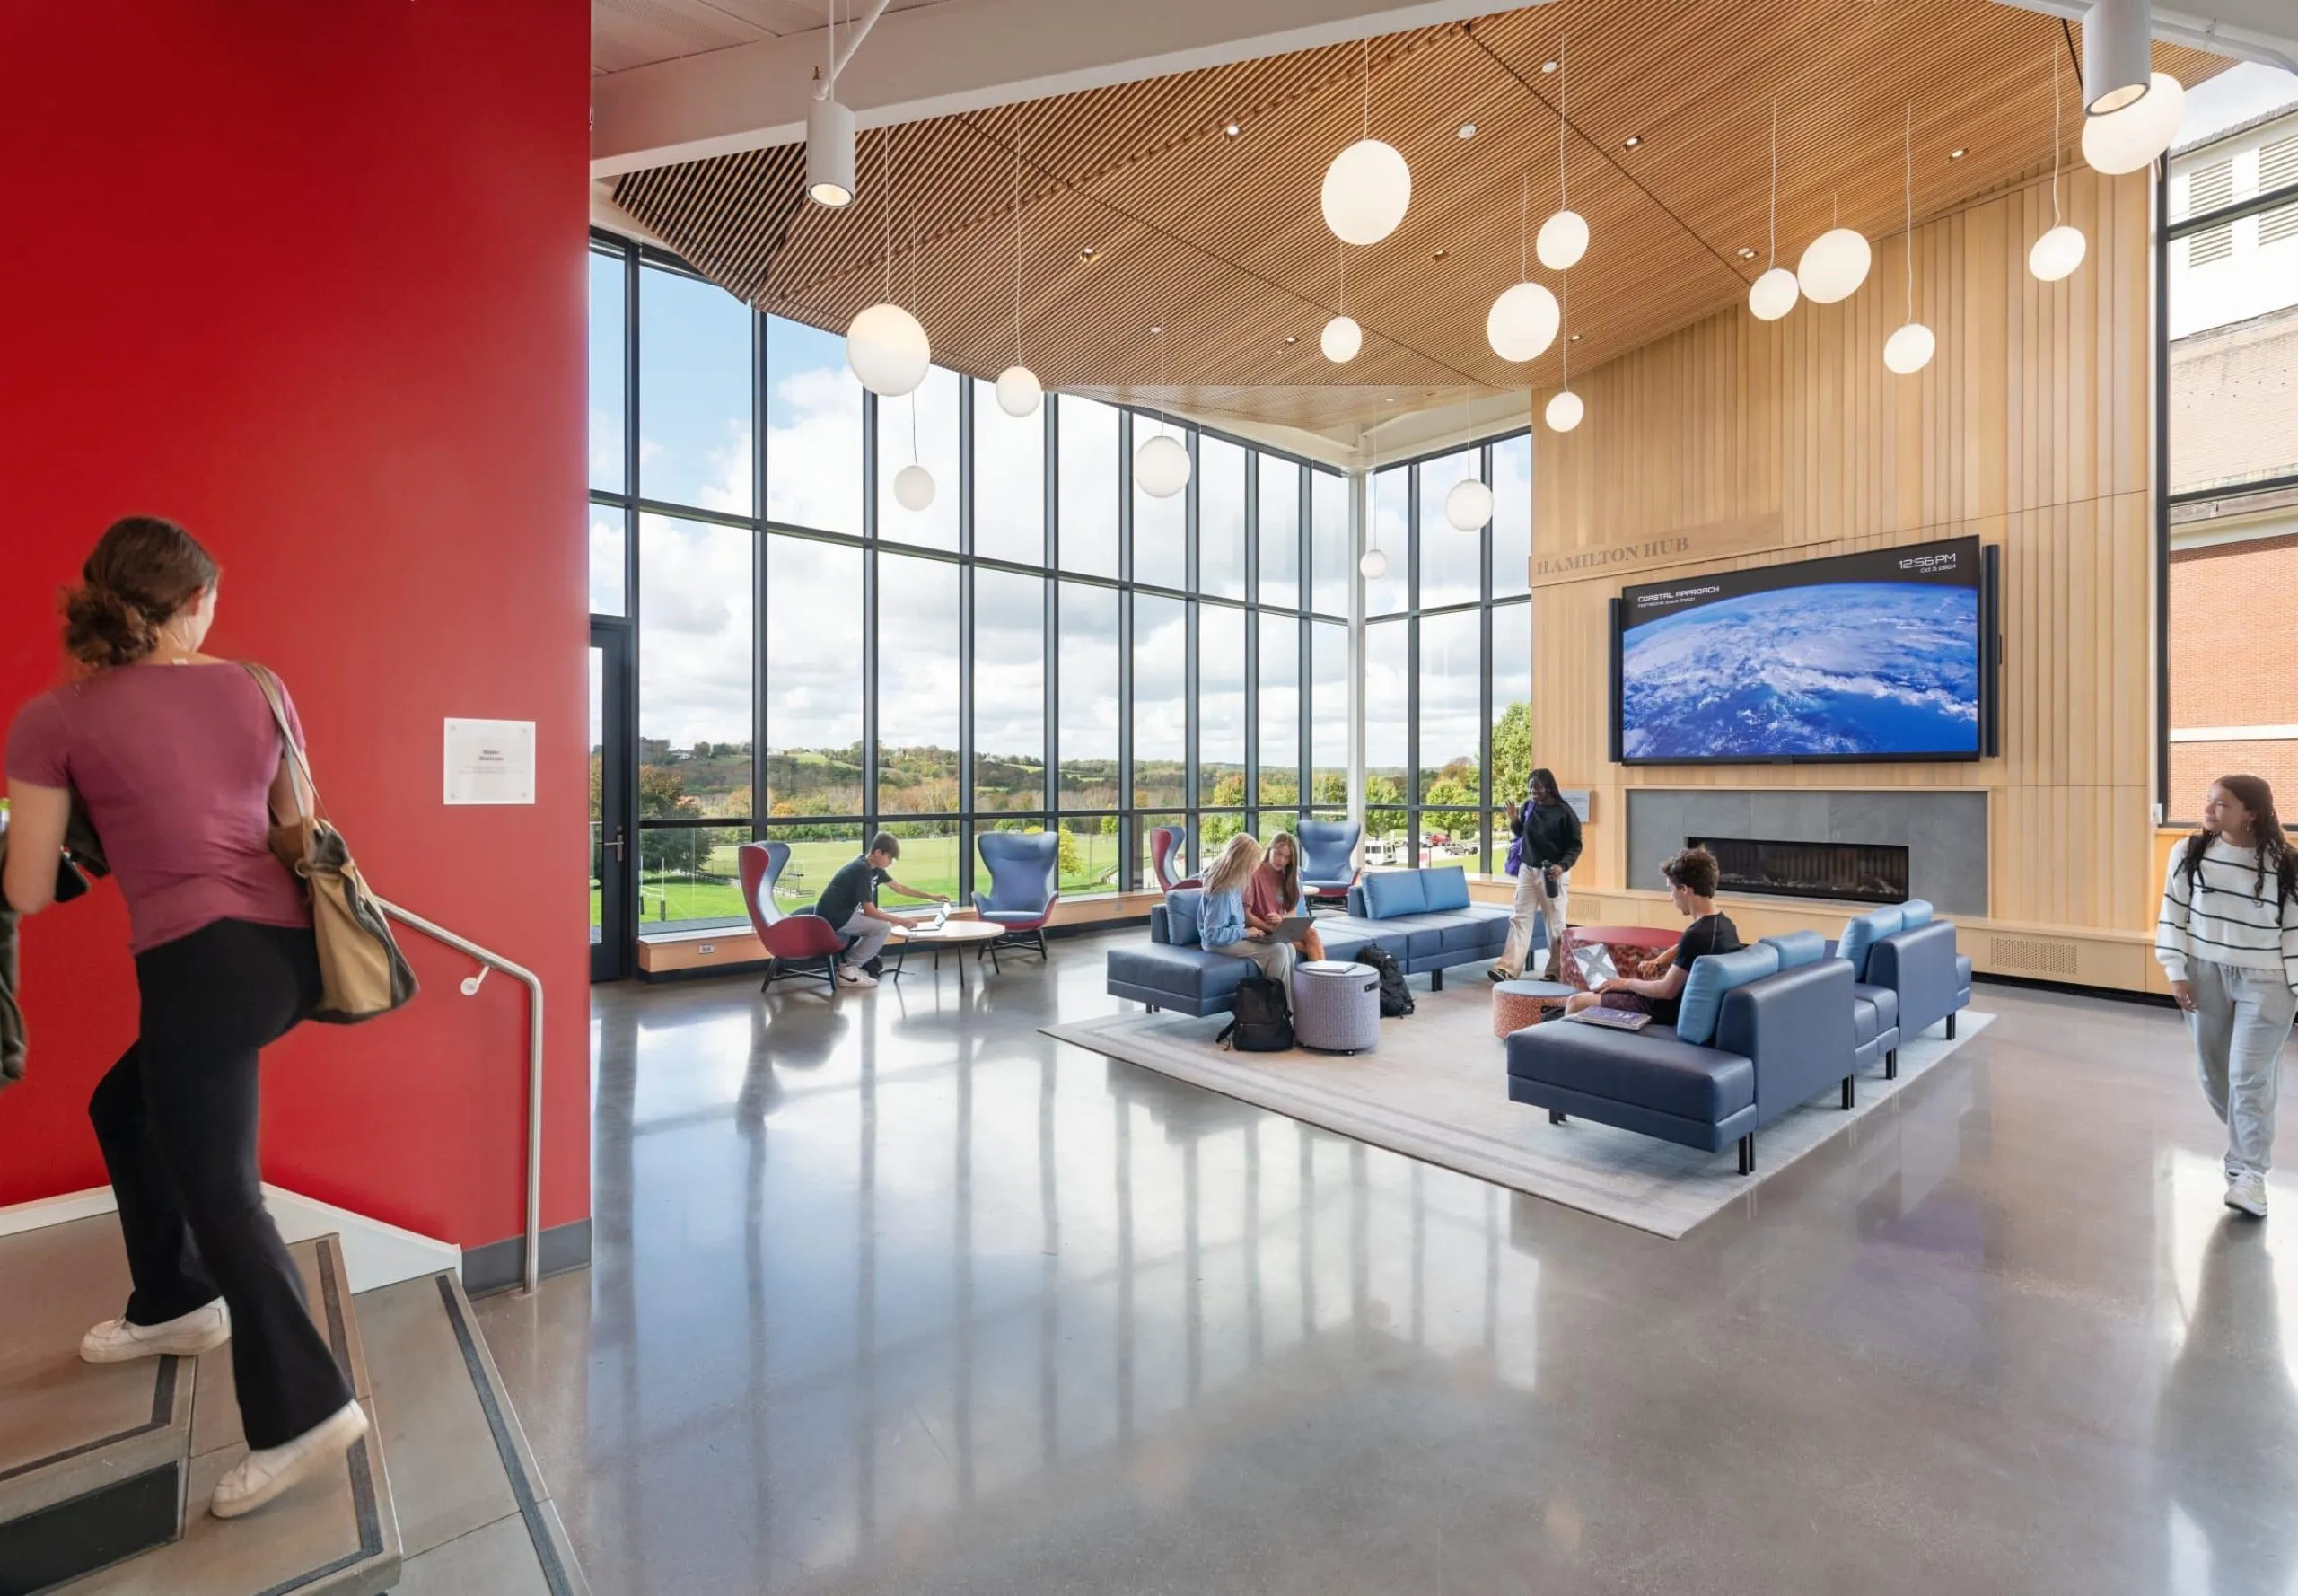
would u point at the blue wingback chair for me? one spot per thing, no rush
(1329, 859)
(1024, 869)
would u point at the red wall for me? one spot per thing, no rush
(309, 279)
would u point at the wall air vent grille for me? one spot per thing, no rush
(2034, 955)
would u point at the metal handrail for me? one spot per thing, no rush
(489, 960)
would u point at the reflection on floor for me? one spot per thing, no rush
(892, 1293)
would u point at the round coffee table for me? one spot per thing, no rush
(1335, 1006)
(952, 937)
(1518, 1004)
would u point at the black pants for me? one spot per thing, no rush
(177, 1121)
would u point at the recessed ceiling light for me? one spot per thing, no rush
(1548, 66)
(1156, 332)
(1957, 154)
(1575, 337)
(1631, 141)
(1468, 130)
(1441, 254)
(1232, 130)
(1746, 253)
(1087, 253)
(1391, 400)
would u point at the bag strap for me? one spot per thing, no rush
(268, 685)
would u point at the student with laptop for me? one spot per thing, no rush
(1274, 892)
(850, 903)
(1691, 876)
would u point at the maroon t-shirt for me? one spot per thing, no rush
(174, 764)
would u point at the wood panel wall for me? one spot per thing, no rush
(2031, 427)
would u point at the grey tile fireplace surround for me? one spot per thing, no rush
(1944, 833)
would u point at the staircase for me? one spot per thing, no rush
(106, 1470)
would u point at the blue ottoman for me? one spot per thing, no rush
(1336, 1007)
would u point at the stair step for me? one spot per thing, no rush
(93, 1456)
(109, 1467)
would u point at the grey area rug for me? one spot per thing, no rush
(1436, 1089)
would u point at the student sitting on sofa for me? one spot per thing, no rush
(1221, 916)
(1691, 877)
(1273, 891)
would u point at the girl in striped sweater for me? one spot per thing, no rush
(2228, 939)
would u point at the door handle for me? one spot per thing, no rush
(618, 845)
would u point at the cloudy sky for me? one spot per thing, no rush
(696, 447)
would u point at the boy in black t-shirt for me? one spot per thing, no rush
(1692, 876)
(849, 903)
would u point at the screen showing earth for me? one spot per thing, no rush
(1864, 656)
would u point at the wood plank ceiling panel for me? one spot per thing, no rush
(1219, 239)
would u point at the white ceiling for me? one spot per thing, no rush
(627, 33)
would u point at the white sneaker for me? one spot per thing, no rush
(854, 975)
(2246, 1192)
(116, 1341)
(261, 1476)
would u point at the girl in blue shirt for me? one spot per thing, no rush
(1221, 915)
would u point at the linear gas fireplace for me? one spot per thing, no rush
(1857, 871)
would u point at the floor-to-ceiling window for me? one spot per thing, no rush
(1041, 646)
(1447, 659)
(2229, 412)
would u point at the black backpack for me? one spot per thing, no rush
(1264, 1022)
(1396, 997)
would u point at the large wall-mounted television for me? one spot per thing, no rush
(1880, 657)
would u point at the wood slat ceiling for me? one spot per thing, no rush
(1219, 240)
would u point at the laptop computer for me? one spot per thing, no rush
(1289, 930)
(1615, 1018)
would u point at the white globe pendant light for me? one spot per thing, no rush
(1774, 293)
(1565, 411)
(1018, 393)
(1341, 339)
(2060, 251)
(1368, 186)
(1909, 350)
(888, 350)
(1468, 505)
(1161, 466)
(1833, 266)
(1563, 236)
(1523, 322)
(1564, 239)
(913, 488)
(2129, 139)
(1374, 564)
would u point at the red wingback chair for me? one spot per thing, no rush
(793, 942)
(1165, 842)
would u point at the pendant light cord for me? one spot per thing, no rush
(1774, 181)
(1563, 328)
(1161, 381)
(2055, 137)
(1563, 194)
(886, 225)
(1911, 210)
(1524, 233)
(1343, 279)
(1367, 132)
(1017, 245)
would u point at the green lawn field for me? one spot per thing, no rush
(709, 887)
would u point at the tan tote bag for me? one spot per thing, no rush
(361, 972)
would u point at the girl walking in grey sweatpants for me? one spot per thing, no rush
(2228, 939)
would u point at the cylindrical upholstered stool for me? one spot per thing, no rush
(1518, 1004)
(1335, 1006)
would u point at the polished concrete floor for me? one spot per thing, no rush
(892, 1293)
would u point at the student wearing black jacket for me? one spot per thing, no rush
(1550, 833)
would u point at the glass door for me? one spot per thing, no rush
(612, 860)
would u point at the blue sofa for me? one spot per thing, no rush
(1422, 919)
(1875, 1011)
(1899, 955)
(1763, 1030)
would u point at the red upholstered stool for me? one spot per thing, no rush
(1518, 1004)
